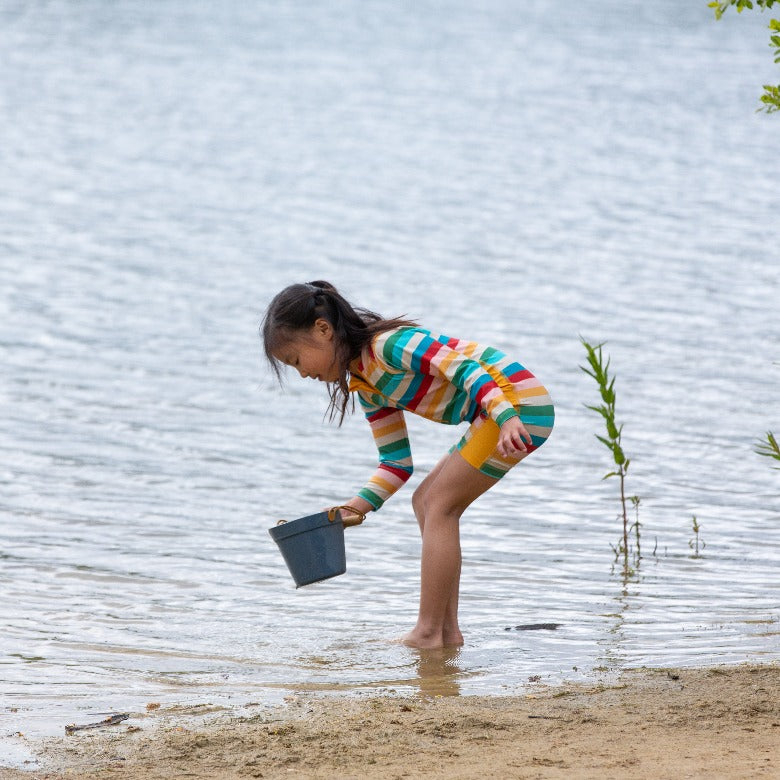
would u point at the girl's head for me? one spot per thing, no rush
(312, 328)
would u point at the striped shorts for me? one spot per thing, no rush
(478, 445)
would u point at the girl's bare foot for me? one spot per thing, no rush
(425, 640)
(453, 638)
(422, 641)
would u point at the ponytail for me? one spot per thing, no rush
(294, 311)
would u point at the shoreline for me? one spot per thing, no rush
(713, 722)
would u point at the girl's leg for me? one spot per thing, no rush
(451, 632)
(439, 502)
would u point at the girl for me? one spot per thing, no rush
(393, 365)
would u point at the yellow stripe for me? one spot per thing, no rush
(448, 358)
(386, 430)
(383, 484)
(530, 392)
(433, 405)
(481, 444)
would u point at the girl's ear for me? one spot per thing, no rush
(323, 328)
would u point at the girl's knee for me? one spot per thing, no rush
(440, 503)
(427, 502)
(418, 502)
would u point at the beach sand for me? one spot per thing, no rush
(720, 722)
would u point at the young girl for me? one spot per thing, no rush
(395, 366)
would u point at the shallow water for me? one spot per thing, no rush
(514, 175)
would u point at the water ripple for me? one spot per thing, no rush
(516, 176)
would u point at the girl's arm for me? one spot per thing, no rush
(388, 428)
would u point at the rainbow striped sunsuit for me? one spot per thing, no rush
(449, 381)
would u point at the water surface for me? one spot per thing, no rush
(517, 174)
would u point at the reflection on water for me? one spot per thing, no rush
(514, 175)
(439, 671)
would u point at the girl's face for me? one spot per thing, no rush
(313, 353)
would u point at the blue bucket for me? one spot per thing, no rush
(313, 546)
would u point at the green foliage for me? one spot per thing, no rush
(697, 541)
(771, 96)
(635, 500)
(770, 99)
(720, 8)
(769, 448)
(598, 368)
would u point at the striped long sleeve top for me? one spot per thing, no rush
(443, 379)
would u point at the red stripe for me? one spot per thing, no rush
(400, 473)
(430, 353)
(422, 390)
(378, 415)
(488, 387)
(518, 375)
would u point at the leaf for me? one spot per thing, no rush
(606, 442)
(769, 448)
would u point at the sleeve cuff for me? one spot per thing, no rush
(506, 415)
(371, 497)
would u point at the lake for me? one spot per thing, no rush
(514, 173)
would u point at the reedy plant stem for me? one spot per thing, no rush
(599, 370)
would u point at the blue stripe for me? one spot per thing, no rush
(394, 347)
(542, 422)
(411, 391)
(415, 359)
(464, 371)
(479, 383)
(491, 356)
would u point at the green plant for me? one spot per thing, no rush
(696, 541)
(635, 500)
(771, 96)
(769, 448)
(599, 370)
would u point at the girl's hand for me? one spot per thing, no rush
(360, 505)
(510, 438)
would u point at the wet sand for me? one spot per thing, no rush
(721, 722)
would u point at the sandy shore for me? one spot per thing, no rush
(721, 722)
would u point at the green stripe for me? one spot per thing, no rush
(538, 411)
(467, 367)
(384, 380)
(371, 497)
(505, 415)
(490, 471)
(491, 355)
(453, 411)
(389, 351)
(394, 447)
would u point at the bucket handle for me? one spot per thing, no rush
(332, 516)
(361, 516)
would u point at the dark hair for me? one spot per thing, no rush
(295, 310)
